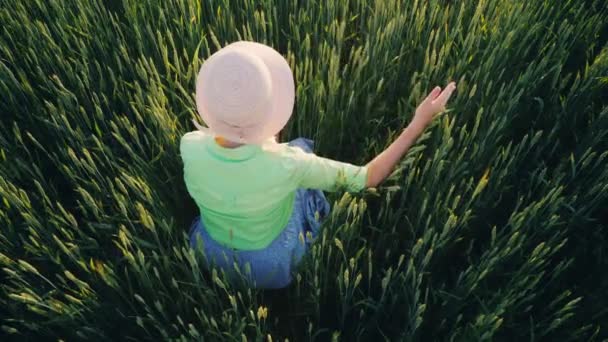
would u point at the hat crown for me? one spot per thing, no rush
(237, 88)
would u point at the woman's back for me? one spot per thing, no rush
(246, 194)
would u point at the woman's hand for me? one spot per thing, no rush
(433, 104)
(384, 163)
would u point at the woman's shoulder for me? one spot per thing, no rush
(289, 158)
(193, 138)
(194, 135)
(281, 150)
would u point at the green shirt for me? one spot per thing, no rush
(246, 194)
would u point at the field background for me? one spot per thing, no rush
(494, 226)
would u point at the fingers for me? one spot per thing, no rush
(433, 94)
(443, 98)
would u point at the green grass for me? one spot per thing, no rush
(494, 226)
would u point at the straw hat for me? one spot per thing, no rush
(245, 92)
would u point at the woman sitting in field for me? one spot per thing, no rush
(257, 198)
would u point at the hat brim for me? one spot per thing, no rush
(283, 97)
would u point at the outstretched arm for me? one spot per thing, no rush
(384, 163)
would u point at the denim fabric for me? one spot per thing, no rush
(271, 267)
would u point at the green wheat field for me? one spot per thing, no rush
(494, 227)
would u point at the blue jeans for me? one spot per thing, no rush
(271, 267)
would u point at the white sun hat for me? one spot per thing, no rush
(245, 93)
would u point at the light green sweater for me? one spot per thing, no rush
(246, 194)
